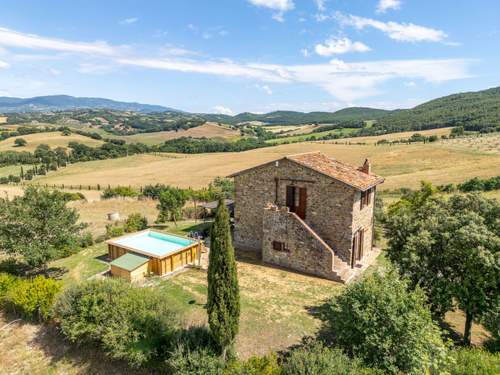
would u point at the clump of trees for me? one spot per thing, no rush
(450, 248)
(119, 191)
(171, 202)
(20, 142)
(382, 322)
(38, 226)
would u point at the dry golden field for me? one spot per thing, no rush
(401, 165)
(95, 212)
(208, 130)
(396, 136)
(52, 139)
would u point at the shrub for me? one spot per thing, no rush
(119, 191)
(383, 323)
(473, 361)
(114, 230)
(129, 323)
(267, 365)
(185, 361)
(32, 298)
(319, 360)
(135, 222)
(86, 240)
(7, 282)
(76, 196)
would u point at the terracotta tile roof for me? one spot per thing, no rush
(338, 170)
(330, 167)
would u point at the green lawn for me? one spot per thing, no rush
(344, 132)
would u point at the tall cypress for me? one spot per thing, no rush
(223, 304)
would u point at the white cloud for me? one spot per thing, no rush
(129, 21)
(345, 81)
(405, 32)
(385, 5)
(410, 84)
(334, 46)
(281, 6)
(321, 4)
(3, 64)
(265, 88)
(171, 50)
(11, 38)
(321, 17)
(223, 110)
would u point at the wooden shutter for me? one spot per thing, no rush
(301, 209)
(354, 249)
(290, 198)
(361, 235)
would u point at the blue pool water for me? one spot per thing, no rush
(154, 243)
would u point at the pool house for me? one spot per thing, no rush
(136, 255)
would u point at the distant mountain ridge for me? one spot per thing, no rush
(295, 118)
(66, 102)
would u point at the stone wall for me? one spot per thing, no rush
(304, 250)
(363, 218)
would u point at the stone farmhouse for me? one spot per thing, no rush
(309, 213)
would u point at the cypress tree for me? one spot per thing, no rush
(223, 303)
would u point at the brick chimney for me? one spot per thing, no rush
(366, 167)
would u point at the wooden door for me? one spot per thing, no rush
(301, 208)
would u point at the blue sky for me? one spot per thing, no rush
(231, 56)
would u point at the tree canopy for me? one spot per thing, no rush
(451, 248)
(38, 226)
(382, 322)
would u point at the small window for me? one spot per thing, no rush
(279, 246)
(366, 197)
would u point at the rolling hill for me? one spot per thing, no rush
(297, 118)
(478, 110)
(66, 102)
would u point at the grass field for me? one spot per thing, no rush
(54, 139)
(402, 165)
(302, 137)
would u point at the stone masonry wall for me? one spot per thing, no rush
(305, 251)
(363, 218)
(329, 209)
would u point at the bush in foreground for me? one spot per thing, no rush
(386, 325)
(466, 361)
(319, 360)
(129, 323)
(29, 298)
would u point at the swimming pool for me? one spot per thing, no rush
(153, 243)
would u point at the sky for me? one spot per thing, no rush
(232, 56)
